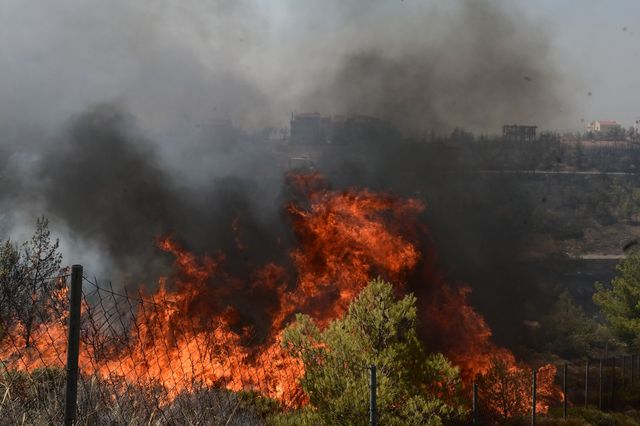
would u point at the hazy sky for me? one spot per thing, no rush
(598, 41)
(178, 65)
(255, 60)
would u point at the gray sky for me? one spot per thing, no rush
(174, 62)
(178, 65)
(598, 41)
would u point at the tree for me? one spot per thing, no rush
(616, 133)
(29, 279)
(505, 396)
(620, 301)
(413, 388)
(10, 281)
(461, 136)
(567, 331)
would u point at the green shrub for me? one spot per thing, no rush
(414, 388)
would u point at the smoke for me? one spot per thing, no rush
(480, 227)
(106, 182)
(477, 65)
(114, 120)
(174, 65)
(108, 186)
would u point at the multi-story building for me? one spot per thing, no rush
(604, 126)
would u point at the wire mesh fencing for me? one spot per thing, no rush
(608, 383)
(142, 360)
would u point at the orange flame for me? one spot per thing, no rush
(185, 335)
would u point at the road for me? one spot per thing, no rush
(554, 172)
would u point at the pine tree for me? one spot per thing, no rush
(414, 388)
(620, 302)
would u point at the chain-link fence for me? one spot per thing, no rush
(135, 361)
(89, 354)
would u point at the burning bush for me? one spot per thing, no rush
(413, 388)
(27, 281)
(505, 390)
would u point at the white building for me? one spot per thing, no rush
(603, 126)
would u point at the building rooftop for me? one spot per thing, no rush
(307, 115)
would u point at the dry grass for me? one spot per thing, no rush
(37, 398)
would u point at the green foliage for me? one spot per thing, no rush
(257, 403)
(590, 416)
(620, 302)
(303, 417)
(627, 395)
(567, 331)
(624, 198)
(413, 388)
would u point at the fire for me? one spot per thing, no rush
(347, 238)
(188, 332)
(506, 388)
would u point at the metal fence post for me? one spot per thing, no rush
(373, 409)
(600, 386)
(533, 397)
(475, 404)
(564, 390)
(586, 384)
(73, 346)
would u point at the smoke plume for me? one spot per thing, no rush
(116, 121)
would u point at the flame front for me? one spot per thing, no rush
(186, 334)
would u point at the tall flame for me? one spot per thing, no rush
(185, 333)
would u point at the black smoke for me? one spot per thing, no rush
(105, 180)
(479, 66)
(119, 175)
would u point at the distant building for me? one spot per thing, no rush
(520, 133)
(310, 128)
(603, 126)
(315, 129)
